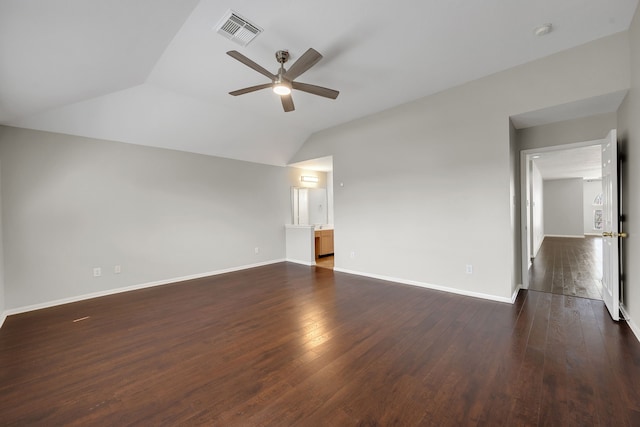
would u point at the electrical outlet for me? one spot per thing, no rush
(469, 269)
(117, 269)
(352, 254)
(257, 250)
(97, 272)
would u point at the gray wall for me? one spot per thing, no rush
(537, 208)
(629, 136)
(70, 204)
(2, 287)
(427, 185)
(514, 191)
(330, 195)
(563, 207)
(566, 132)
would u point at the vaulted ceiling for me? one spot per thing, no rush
(155, 72)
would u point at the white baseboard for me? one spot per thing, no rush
(297, 261)
(77, 298)
(564, 235)
(630, 322)
(515, 293)
(426, 285)
(3, 317)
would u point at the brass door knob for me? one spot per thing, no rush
(611, 234)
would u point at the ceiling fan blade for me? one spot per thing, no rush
(287, 103)
(249, 63)
(250, 89)
(306, 61)
(315, 90)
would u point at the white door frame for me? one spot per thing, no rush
(524, 171)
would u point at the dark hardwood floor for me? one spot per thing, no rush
(568, 266)
(288, 345)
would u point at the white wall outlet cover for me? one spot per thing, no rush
(97, 272)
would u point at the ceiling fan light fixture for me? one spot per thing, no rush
(282, 89)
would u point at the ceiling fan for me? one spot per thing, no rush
(284, 81)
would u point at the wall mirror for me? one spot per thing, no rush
(309, 206)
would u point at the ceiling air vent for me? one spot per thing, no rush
(237, 29)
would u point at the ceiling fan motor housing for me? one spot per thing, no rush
(282, 56)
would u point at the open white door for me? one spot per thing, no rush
(610, 255)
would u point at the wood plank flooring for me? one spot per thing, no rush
(288, 345)
(568, 266)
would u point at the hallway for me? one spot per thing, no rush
(568, 266)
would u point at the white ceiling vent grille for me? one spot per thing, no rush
(237, 29)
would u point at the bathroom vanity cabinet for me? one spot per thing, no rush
(324, 242)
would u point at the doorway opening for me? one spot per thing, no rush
(326, 261)
(561, 189)
(313, 205)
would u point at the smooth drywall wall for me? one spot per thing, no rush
(2, 290)
(563, 207)
(566, 132)
(537, 208)
(629, 135)
(514, 191)
(423, 190)
(300, 244)
(330, 195)
(71, 204)
(592, 188)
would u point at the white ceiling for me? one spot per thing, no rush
(154, 72)
(583, 162)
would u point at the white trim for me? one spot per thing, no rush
(565, 235)
(634, 328)
(3, 317)
(134, 287)
(426, 285)
(515, 293)
(297, 261)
